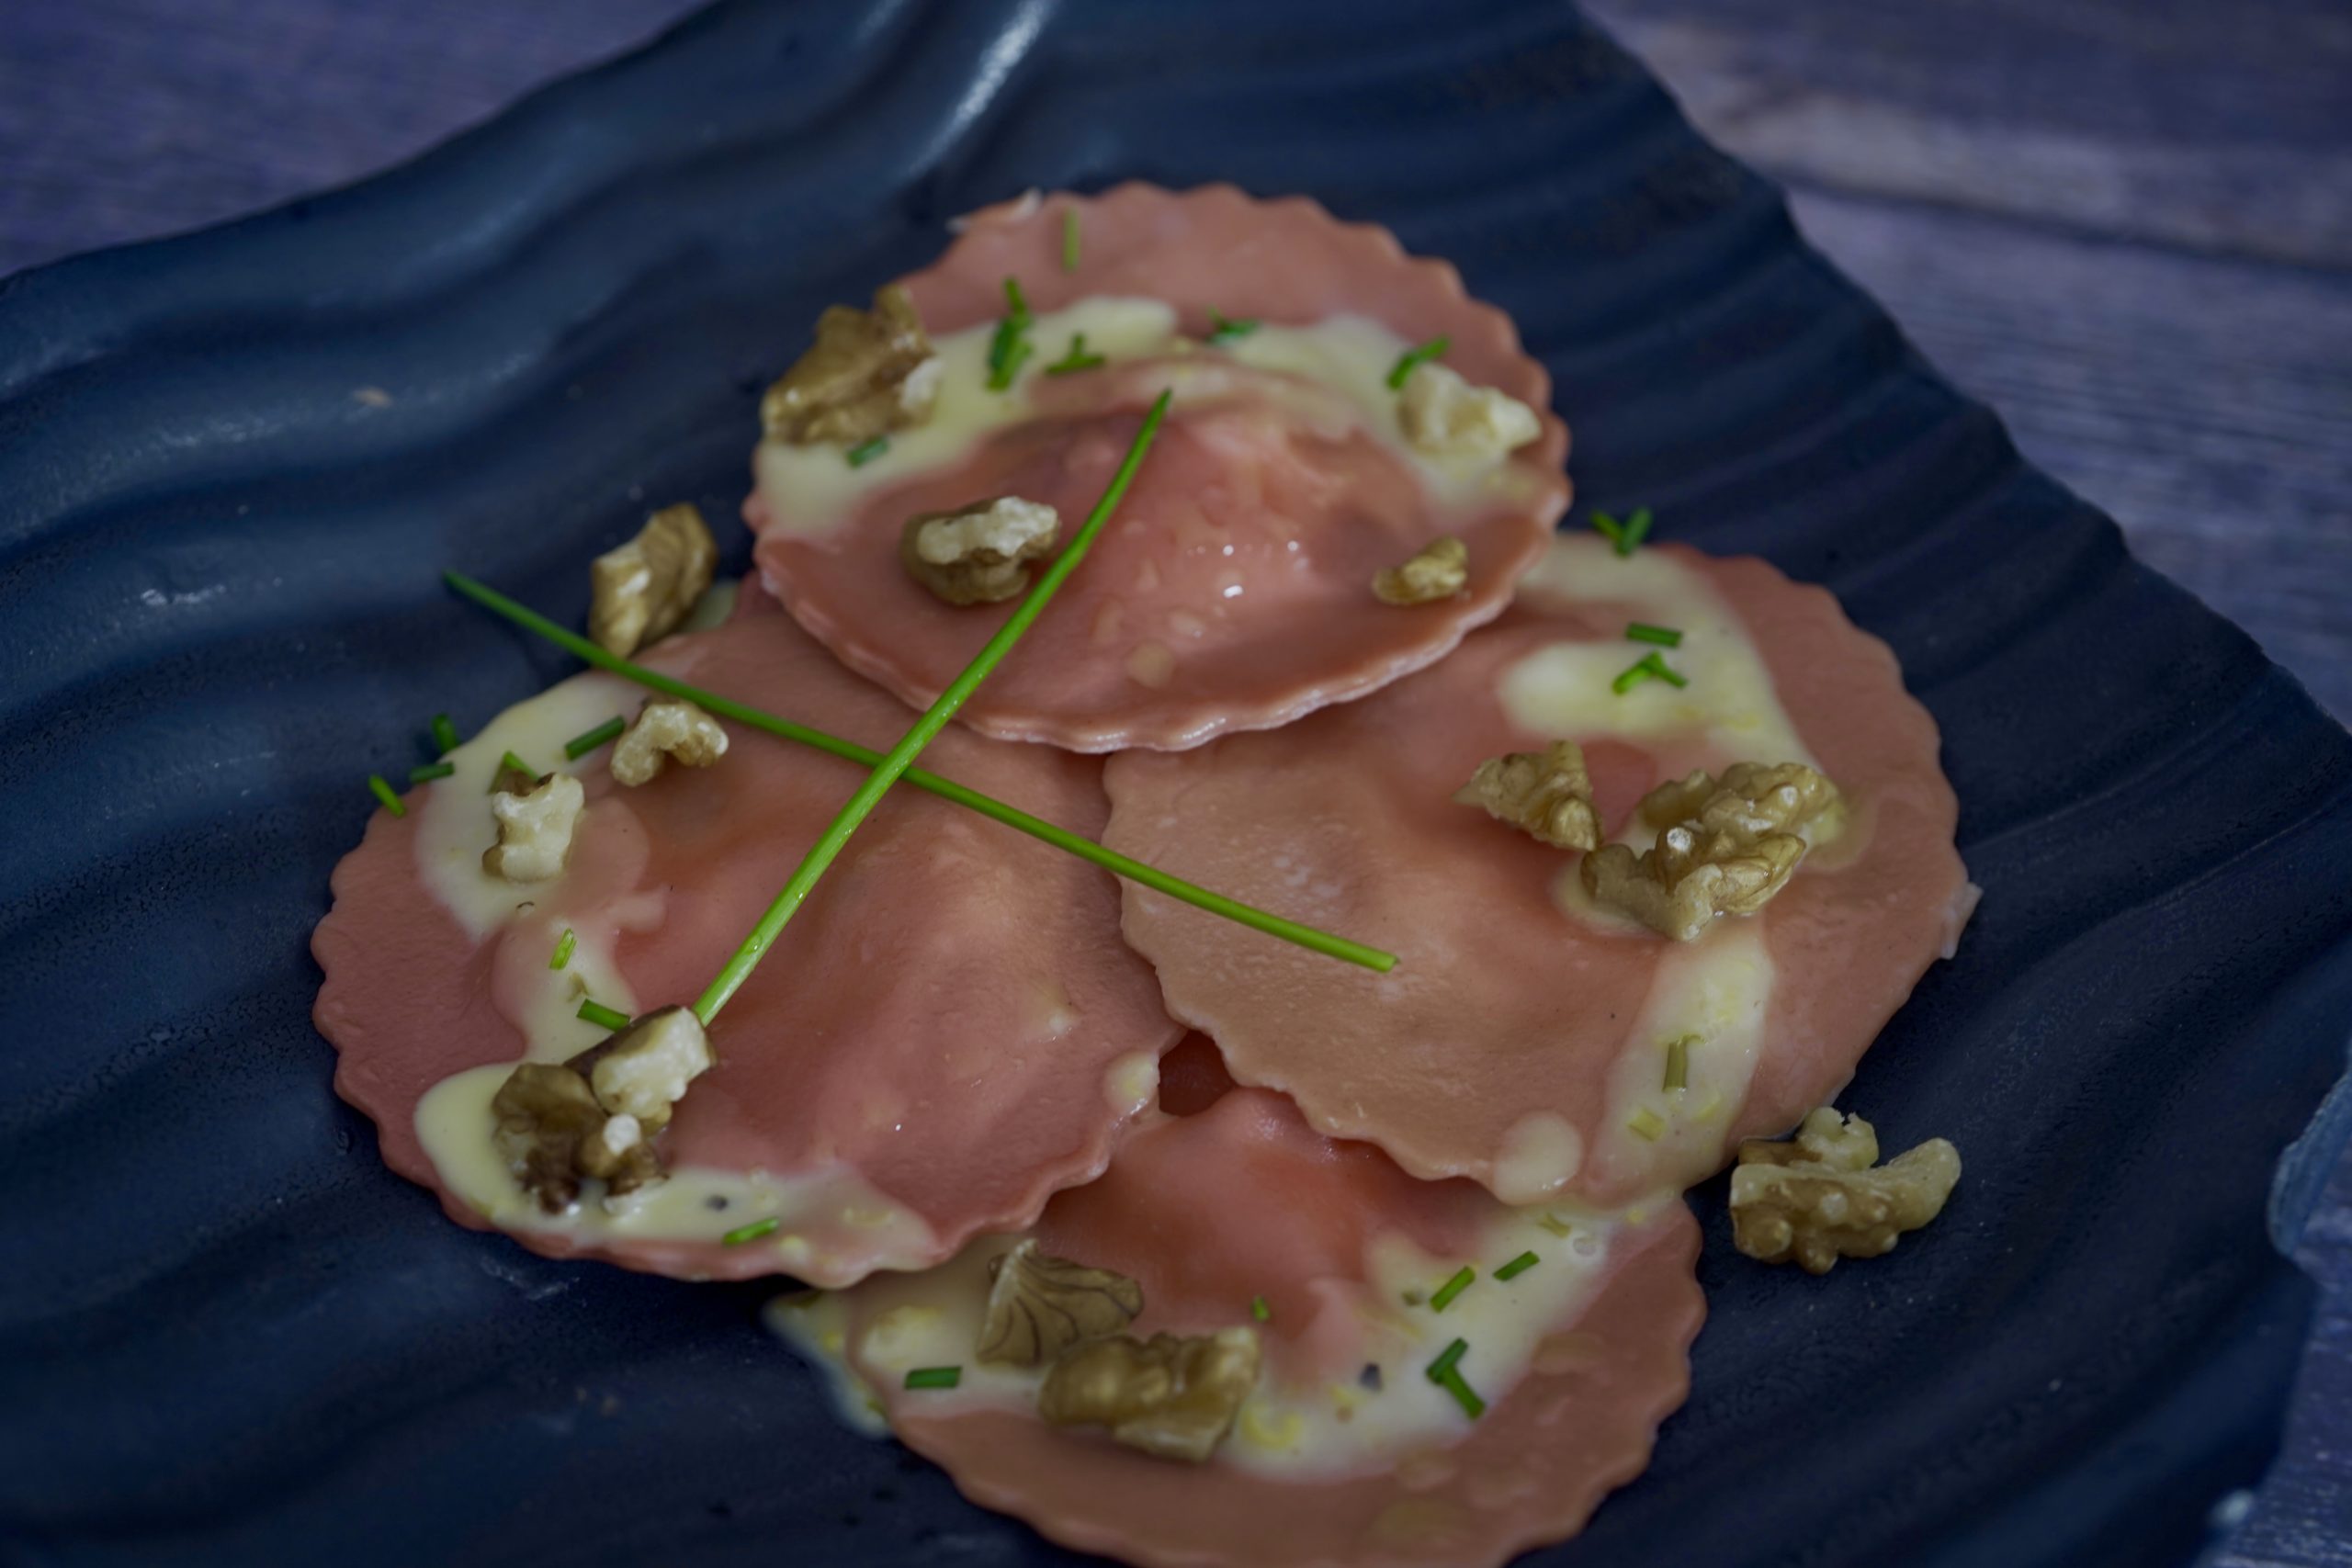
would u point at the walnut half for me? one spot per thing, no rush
(1731, 845)
(868, 373)
(643, 1070)
(1170, 1397)
(534, 826)
(979, 554)
(1818, 1198)
(1545, 794)
(666, 729)
(643, 590)
(1440, 570)
(1039, 1306)
(552, 1133)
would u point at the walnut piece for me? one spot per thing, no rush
(1818, 1198)
(1727, 846)
(535, 828)
(1545, 794)
(641, 591)
(1446, 416)
(643, 1070)
(666, 729)
(868, 373)
(980, 554)
(551, 1133)
(1039, 1306)
(1170, 1397)
(1440, 570)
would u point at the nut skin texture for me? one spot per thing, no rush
(1444, 415)
(535, 829)
(643, 1070)
(1172, 1398)
(1727, 846)
(1818, 1198)
(642, 592)
(862, 377)
(1039, 1306)
(549, 1130)
(666, 729)
(1437, 571)
(1546, 794)
(980, 554)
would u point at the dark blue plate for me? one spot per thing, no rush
(232, 465)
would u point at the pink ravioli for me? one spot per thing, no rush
(1253, 517)
(941, 1020)
(1502, 1006)
(1243, 1198)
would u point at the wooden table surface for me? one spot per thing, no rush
(2126, 224)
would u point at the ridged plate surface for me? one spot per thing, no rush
(232, 465)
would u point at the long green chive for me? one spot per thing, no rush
(430, 772)
(1641, 631)
(865, 452)
(1518, 1265)
(751, 1232)
(886, 773)
(563, 946)
(445, 735)
(1649, 666)
(1453, 1288)
(1223, 329)
(1446, 1361)
(1009, 346)
(934, 1377)
(1678, 1063)
(1645, 1124)
(1463, 1395)
(383, 794)
(1076, 359)
(946, 789)
(1414, 356)
(1070, 239)
(1259, 1309)
(602, 1016)
(579, 745)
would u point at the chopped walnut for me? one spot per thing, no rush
(868, 373)
(1172, 1398)
(643, 1070)
(1818, 1198)
(1445, 415)
(643, 590)
(535, 828)
(1546, 794)
(1440, 570)
(666, 729)
(551, 1133)
(1731, 845)
(980, 554)
(1040, 1306)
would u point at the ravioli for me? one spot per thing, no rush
(1234, 589)
(1525, 1038)
(956, 1031)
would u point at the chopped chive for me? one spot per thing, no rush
(1557, 1225)
(383, 794)
(1413, 357)
(865, 452)
(579, 745)
(1678, 1064)
(1637, 528)
(1070, 239)
(1645, 1124)
(430, 772)
(1446, 1361)
(751, 1232)
(445, 735)
(1649, 666)
(1017, 306)
(1518, 1265)
(1259, 1309)
(563, 946)
(1076, 359)
(511, 762)
(1659, 668)
(602, 1016)
(1453, 1288)
(1641, 631)
(1223, 329)
(946, 789)
(934, 1377)
(1463, 1395)
(1007, 348)
(1608, 528)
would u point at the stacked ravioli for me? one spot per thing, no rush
(970, 1042)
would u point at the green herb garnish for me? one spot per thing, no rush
(934, 1377)
(563, 946)
(1678, 1063)
(430, 772)
(946, 789)
(509, 762)
(602, 1016)
(1070, 239)
(1453, 1288)
(1259, 1309)
(1626, 536)
(383, 794)
(1419, 353)
(1649, 666)
(751, 1232)
(1076, 359)
(1009, 346)
(1446, 1361)
(1463, 1395)
(1641, 631)
(579, 745)
(1518, 1265)
(865, 452)
(445, 735)
(1645, 1124)
(1223, 329)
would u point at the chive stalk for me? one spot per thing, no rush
(1463, 1395)
(1223, 329)
(865, 452)
(1447, 1360)
(602, 1016)
(563, 946)
(1259, 1309)
(1070, 239)
(1645, 1124)
(1649, 666)
(751, 1232)
(1413, 358)
(1625, 537)
(445, 735)
(1641, 631)
(934, 1377)
(384, 795)
(1518, 1265)
(1678, 1064)
(1009, 346)
(1453, 1288)
(587, 741)
(509, 762)
(1076, 359)
(430, 772)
